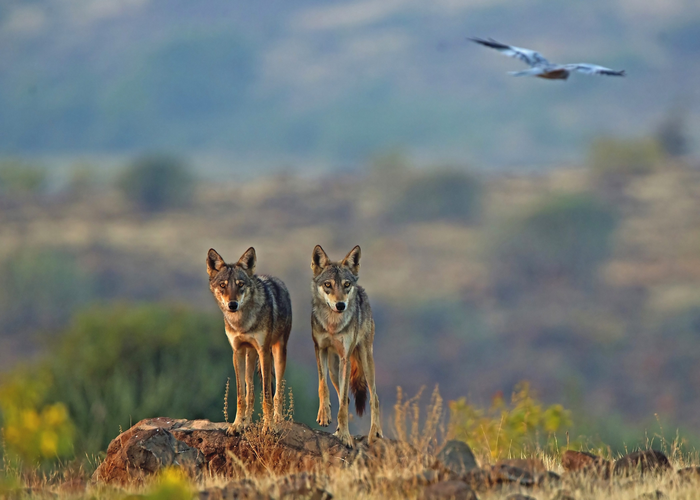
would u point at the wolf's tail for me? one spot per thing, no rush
(358, 385)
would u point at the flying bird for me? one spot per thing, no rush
(541, 67)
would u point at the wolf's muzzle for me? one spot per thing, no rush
(233, 306)
(340, 306)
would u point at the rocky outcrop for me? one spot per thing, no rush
(200, 446)
(636, 463)
(297, 462)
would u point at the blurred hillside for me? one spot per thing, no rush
(312, 84)
(585, 282)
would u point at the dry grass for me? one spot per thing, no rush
(396, 476)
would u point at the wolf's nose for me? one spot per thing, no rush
(340, 306)
(233, 306)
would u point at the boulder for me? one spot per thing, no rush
(587, 463)
(547, 479)
(532, 465)
(641, 462)
(457, 457)
(204, 446)
(689, 473)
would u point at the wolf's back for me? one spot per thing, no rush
(276, 293)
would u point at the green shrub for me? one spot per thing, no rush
(157, 182)
(566, 238)
(447, 195)
(117, 364)
(503, 430)
(612, 156)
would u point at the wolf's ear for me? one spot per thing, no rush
(319, 260)
(215, 263)
(247, 261)
(352, 260)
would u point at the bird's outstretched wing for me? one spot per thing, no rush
(526, 55)
(593, 69)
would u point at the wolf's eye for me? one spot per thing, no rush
(327, 284)
(223, 284)
(346, 284)
(240, 284)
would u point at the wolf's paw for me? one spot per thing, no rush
(345, 438)
(375, 433)
(271, 426)
(324, 415)
(235, 428)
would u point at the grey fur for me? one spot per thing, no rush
(257, 330)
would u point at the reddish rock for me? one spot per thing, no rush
(642, 462)
(581, 461)
(201, 445)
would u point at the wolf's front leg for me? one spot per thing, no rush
(239, 367)
(251, 359)
(324, 398)
(266, 371)
(343, 431)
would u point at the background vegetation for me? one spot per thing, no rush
(582, 281)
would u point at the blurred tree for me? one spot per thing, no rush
(40, 289)
(614, 156)
(671, 135)
(448, 195)
(157, 182)
(565, 238)
(21, 178)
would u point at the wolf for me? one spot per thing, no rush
(343, 332)
(257, 319)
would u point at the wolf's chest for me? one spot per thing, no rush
(255, 339)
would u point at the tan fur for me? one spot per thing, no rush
(258, 320)
(343, 333)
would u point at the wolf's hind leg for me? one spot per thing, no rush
(239, 367)
(367, 359)
(279, 353)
